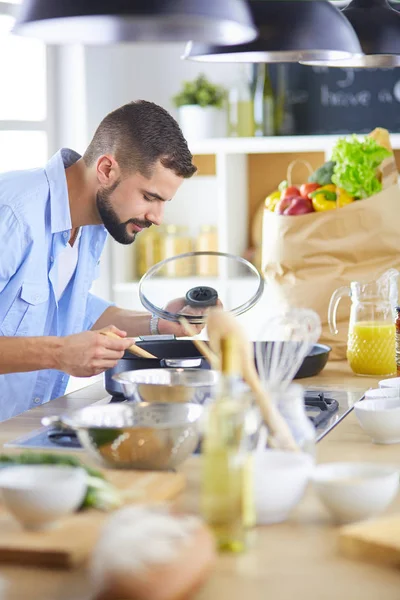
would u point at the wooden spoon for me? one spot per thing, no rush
(133, 349)
(208, 354)
(220, 324)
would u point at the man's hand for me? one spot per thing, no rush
(179, 305)
(90, 353)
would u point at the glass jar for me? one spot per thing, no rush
(290, 403)
(147, 249)
(176, 240)
(207, 241)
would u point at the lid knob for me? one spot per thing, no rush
(202, 296)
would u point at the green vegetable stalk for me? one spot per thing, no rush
(356, 163)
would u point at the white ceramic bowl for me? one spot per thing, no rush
(394, 382)
(378, 393)
(280, 479)
(380, 419)
(355, 491)
(38, 495)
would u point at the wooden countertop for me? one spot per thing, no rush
(296, 559)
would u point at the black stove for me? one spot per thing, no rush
(320, 408)
(325, 408)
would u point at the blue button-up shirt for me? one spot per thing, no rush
(35, 225)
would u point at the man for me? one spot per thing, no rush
(53, 226)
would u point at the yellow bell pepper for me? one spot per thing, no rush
(330, 197)
(324, 198)
(272, 200)
(343, 198)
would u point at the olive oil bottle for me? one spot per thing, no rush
(263, 101)
(225, 458)
(240, 107)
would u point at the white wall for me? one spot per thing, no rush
(94, 80)
(118, 74)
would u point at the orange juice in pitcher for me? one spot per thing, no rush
(371, 347)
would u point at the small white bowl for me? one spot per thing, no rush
(387, 392)
(38, 495)
(380, 419)
(394, 382)
(355, 491)
(280, 479)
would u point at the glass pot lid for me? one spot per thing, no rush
(188, 284)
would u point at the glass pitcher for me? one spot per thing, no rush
(371, 347)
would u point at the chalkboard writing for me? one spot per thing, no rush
(325, 100)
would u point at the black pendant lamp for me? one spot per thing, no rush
(377, 26)
(109, 21)
(289, 31)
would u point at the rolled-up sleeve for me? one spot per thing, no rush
(94, 309)
(13, 246)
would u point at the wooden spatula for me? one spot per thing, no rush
(133, 349)
(208, 354)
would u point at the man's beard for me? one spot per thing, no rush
(111, 222)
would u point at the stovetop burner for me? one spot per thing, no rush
(67, 439)
(319, 407)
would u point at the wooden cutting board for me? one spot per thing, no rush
(72, 540)
(376, 541)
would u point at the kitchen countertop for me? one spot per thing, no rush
(297, 559)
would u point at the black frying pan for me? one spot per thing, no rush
(314, 362)
(183, 353)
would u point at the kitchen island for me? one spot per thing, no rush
(297, 559)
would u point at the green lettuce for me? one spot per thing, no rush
(356, 162)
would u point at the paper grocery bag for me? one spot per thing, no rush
(305, 258)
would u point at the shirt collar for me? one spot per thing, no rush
(60, 215)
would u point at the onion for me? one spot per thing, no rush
(145, 553)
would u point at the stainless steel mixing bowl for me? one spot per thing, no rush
(136, 436)
(168, 385)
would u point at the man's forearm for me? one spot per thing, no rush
(19, 354)
(134, 323)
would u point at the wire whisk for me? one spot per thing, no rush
(290, 337)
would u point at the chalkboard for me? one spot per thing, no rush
(325, 100)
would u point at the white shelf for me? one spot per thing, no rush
(271, 145)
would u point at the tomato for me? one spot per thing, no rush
(308, 188)
(290, 192)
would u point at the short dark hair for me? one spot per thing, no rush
(139, 134)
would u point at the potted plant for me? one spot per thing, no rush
(201, 112)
